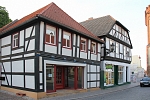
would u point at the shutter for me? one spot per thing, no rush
(52, 39)
(64, 42)
(47, 38)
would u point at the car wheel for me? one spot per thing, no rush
(141, 85)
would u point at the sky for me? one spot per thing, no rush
(130, 13)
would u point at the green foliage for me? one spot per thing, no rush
(4, 17)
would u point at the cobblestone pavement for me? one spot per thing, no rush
(11, 96)
(136, 93)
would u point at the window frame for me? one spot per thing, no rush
(54, 31)
(13, 35)
(85, 45)
(70, 40)
(95, 47)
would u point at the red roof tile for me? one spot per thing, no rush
(53, 13)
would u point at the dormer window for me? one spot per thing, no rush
(15, 41)
(50, 35)
(93, 47)
(83, 45)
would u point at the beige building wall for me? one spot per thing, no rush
(136, 60)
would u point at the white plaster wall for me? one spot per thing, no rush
(6, 40)
(93, 68)
(6, 66)
(78, 52)
(93, 84)
(74, 39)
(17, 51)
(78, 42)
(40, 63)
(59, 50)
(4, 82)
(17, 66)
(107, 43)
(6, 51)
(99, 57)
(93, 77)
(14, 57)
(60, 34)
(29, 65)
(41, 35)
(29, 55)
(99, 47)
(66, 52)
(31, 45)
(83, 55)
(30, 82)
(85, 77)
(50, 49)
(21, 43)
(124, 73)
(89, 44)
(41, 78)
(28, 32)
(88, 54)
(18, 80)
(93, 56)
(74, 51)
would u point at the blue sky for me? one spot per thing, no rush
(131, 13)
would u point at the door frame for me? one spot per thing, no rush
(60, 86)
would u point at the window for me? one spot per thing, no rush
(15, 40)
(93, 47)
(50, 35)
(83, 44)
(120, 74)
(66, 39)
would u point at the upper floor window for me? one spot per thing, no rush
(50, 35)
(15, 39)
(83, 44)
(93, 47)
(66, 39)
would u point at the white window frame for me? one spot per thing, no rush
(14, 45)
(64, 37)
(52, 32)
(94, 48)
(83, 44)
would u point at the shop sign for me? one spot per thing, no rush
(109, 66)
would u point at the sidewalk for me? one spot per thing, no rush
(92, 93)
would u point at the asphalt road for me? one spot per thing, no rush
(136, 93)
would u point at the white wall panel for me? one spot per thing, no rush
(6, 51)
(99, 56)
(21, 43)
(50, 49)
(41, 78)
(29, 55)
(93, 84)
(74, 39)
(7, 67)
(88, 77)
(93, 77)
(60, 34)
(78, 52)
(88, 54)
(17, 51)
(17, 66)
(88, 68)
(14, 57)
(66, 52)
(74, 51)
(4, 82)
(40, 64)
(99, 47)
(89, 45)
(93, 68)
(29, 65)
(28, 32)
(31, 45)
(107, 43)
(59, 49)
(18, 80)
(83, 55)
(30, 82)
(78, 42)
(41, 35)
(93, 56)
(6, 40)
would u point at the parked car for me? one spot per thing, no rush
(145, 81)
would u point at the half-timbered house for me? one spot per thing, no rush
(47, 50)
(116, 57)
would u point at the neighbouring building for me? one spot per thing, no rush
(136, 68)
(47, 50)
(147, 23)
(116, 57)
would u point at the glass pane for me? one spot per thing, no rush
(49, 78)
(65, 36)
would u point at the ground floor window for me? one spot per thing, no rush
(109, 75)
(120, 74)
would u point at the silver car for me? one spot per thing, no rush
(145, 81)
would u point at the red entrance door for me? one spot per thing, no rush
(59, 78)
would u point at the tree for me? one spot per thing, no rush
(4, 17)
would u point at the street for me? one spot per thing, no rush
(136, 93)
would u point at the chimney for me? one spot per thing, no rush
(90, 18)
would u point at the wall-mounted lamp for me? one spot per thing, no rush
(111, 49)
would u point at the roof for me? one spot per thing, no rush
(53, 13)
(101, 26)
